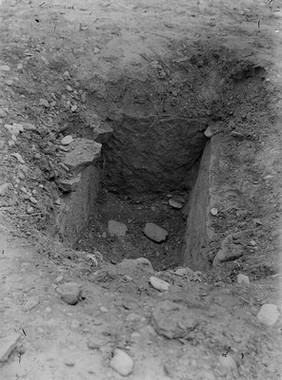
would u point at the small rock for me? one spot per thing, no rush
(145, 263)
(9, 82)
(268, 314)
(5, 188)
(69, 363)
(69, 185)
(11, 143)
(44, 102)
(104, 235)
(75, 324)
(70, 292)
(122, 363)
(117, 228)
(103, 309)
(18, 157)
(208, 132)
(7, 346)
(3, 113)
(73, 108)
(30, 210)
(59, 279)
(227, 362)
(33, 200)
(5, 68)
(66, 75)
(31, 303)
(155, 233)
(69, 88)
(214, 211)
(242, 279)
(14, 129)
(67, 140)
(83, 154)
(20, 66)
(96, 50)
(175, 204)
(159, 284)
(183, 272)
(253, 243)
(29, 127)
(132, 317)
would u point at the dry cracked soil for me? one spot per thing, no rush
(132, 309)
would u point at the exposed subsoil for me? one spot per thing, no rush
(68, 68)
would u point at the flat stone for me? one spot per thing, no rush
(29, 127)
(172, 320)
(67, 140)
(122, 363)
(184, 272)
(83, 154)
(103, 133)
(117, 228)
(155, 233)
(68, 185)
(70, 292)
(159, 284)
(31, 303)
(18, 157)
(175, 204)
(5, 68)
(44, 102)
(268, 314)
(7, 346)
(214, 211)
(242, 279)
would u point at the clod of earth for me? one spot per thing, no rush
(173, 321)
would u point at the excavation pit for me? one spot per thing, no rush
(168, 152)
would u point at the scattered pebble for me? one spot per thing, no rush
(208, 132)
(122, 363)
(67, 140)
(59, 279)
(33, 200)
(96, 50)
(242, 279)
(155, 233)
(69, 88)
(73, 108)
(30, 210)
(159, 284)
(175, 204)
(214, 211)
(268, 314)
(70, 292)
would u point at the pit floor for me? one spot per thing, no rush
(135, 213)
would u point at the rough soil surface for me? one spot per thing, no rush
(65, 69)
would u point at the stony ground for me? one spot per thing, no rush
(70, 314)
